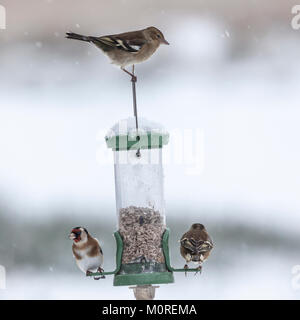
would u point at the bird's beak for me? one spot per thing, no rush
(164, 41)
(72, 236)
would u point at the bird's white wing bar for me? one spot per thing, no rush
(123, 44)
(117, 43)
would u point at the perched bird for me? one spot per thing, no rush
(195, 245)
(127, 48)
(87, 251)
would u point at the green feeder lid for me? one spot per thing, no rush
(124, 136)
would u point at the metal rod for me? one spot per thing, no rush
(133, 81)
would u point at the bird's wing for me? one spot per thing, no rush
(100, 249)
(209, 241)
(196, 246)
(186, 243)
(129, 41)
(133, 38)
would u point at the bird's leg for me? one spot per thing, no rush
(89, 273)
(133, 77)
(199, 269)
(101, 270)
(186, 268)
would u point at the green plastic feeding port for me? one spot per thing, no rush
(138, 276)
(142, 273)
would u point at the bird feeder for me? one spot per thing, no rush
(142, 256)
(140, 201)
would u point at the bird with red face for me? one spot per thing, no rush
(195, 245)
(87, 251)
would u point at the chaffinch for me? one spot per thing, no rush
(127, 48)
(195, 245)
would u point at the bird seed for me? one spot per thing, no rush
(141, 229)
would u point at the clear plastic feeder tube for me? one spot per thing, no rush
(139, 189)
(140, 204)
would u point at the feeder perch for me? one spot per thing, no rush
(142, 257)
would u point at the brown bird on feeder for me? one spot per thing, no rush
(196, 245)
(87, 251)
(127, 48)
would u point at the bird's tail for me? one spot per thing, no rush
(76, 36)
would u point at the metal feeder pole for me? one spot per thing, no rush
(133, 81)
(144, 292)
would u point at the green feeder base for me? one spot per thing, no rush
(142, 273)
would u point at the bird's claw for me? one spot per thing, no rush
(186, 268)
(199, 270)
(101, 271)
(133, 77)
(88, 273)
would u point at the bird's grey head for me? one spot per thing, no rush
(156, 34)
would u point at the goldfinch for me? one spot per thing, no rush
(127, 48)
(87, 251)
(195, 245)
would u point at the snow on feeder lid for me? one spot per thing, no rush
(124, 136)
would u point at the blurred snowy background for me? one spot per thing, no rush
(231, 71)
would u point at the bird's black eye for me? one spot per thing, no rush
(158, 36)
